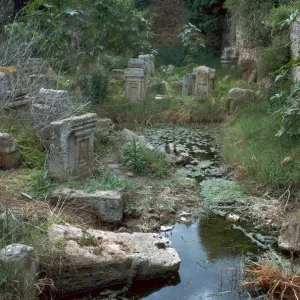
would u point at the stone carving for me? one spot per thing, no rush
(109, 205)
(150, 63)
(135, 84)
(204, 83)
(229, 56)
(138, 64)
(72, 147)
(9, 152)
(50, 105)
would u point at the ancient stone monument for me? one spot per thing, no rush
(9, 152)
(204, 83)
(137, 63)
(49, 106)
(150, 63)
(185, 85)
(72, 147)
(229, 56)
(135, 84)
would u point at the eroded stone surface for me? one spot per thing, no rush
(110, 258)
(72, 147)
(295, 47)
(229, 56)
(204, 84)
(9, 152)
(238, 96)
(289, 238)
(108, 204)
(150, 63)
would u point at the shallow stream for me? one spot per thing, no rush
(210, 250)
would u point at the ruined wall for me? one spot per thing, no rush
(168, 17)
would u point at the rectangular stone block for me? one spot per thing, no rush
(135, 84)
(108, 204)
(204, 84)
(72, 147)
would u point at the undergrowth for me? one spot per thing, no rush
(251, 146)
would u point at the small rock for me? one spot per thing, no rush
(185, 214)
(166, 228)
(183, 219)
(233, 217)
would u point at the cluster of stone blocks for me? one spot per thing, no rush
(200, 83)
(136, 74)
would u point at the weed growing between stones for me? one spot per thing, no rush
(145, 161)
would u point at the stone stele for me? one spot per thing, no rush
(96, 258)
(205, 79)
(135, 84)
(72, 147)
(9, 152)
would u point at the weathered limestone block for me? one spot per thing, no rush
(185, 85)
(138, 64)
(49, 106)
(150, 63)
(295, 46)
(289, 238)
(130, 136)
(9, 152)
(111, 258)
(171, 70)
(72, 147)
(229, 56)
(24, 259)
(135, 84)
(204, 83)
(108, 204)
(237, 96)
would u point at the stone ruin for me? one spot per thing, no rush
(72, 147)
(12, 98)
(229, 56)
(49, 105)
(150, 63)
(204, 82)
(135, 84)
(9, 152)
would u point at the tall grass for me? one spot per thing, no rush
(251, 146)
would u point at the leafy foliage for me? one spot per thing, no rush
(207, 15)
(86, 27)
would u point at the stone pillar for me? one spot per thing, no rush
(72, 147)
(229, 56)
(135, 63)
(295, 47)
(135, 84)
(49, 106)
(185, 85)
(150, 63)
(9, 152)
(204, 83)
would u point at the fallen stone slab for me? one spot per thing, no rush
(9, 153)
(108, 204)
(289, 237)
(95, 258)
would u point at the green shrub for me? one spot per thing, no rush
(274, 57)
(40, 184)
(95, 84)
(142, 160)
(172, 55)
(157, 85)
